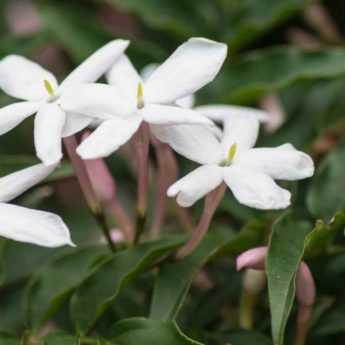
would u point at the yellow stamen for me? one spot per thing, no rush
(48, 87)
(231, 153)
(140, 96)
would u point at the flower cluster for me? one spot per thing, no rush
(218, 137)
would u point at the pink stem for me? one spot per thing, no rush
(212, 201)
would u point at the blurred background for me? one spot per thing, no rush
(287, 57)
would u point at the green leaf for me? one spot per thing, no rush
(100, 290)
(57, 281)
(60, 338)
(175, 279)
(246, 338)
(7, 340)
(148, 332)
(285, 253)
(256, 74)
(326, 195)
(13, 163)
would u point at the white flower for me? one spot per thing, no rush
(130, 100)
(249, 172)
(24, 224)
(24, 79)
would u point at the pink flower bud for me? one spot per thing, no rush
(100, 177)
(252, 258)
(305, 286)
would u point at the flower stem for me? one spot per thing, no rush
(212, 201)
(87, 189)
(141, 142)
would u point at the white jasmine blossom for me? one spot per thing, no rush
(248, 172)
(130, 99)
(24, 224)
(24, 79)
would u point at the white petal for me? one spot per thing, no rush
(24, 79)
(222, 112)
(256, 189)
(147, 71)
(49, 124)
(193, 65)
(75, 123)
(279, 163)
(124, 77)
(172, 115)
(242, 130)
(97, 64)
(108, 137)
(20, 181)
(37, 227)
(96, 100)
(13, 114)
(196, 185)
(195, 142)
(186, 102)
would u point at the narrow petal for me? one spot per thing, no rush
(172, 115)
(196, 185)
(24, 79)
(281, 163)
(223, 112)
(20, 181)
(97, 64)
(240, 130)
(124, 77)
(75, 123)
(49, 124)
(108, 137)
(13, 114)
(96, 100)
(255, 189)
(195, 142)
(193, 65)
(31, 226)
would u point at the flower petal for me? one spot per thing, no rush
(108, 137)
(195, 142)
(97, 64)
(24, 79)
(20, 181)
(13, 114)
(74, 123)
(49, 124)
(96, 100)
(186, 102)
(240, 130)
(196, 185)
(172, 115)
(31, 226)
(255, 189)
(281, 163)
(193, 65)
(124, 77)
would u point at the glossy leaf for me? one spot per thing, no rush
(57, 281)
(100, 290)
(148, 332)
(285, 253)
(243, 81)
(326, 195)
(175, 279)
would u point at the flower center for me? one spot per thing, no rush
(140, 96)
(50, 90)
(230, 155)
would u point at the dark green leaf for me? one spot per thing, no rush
(285, 253)
(256, 74)
(326, 195)
(174, 279)
(148, 332)
(99, 291)
(55, 283)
